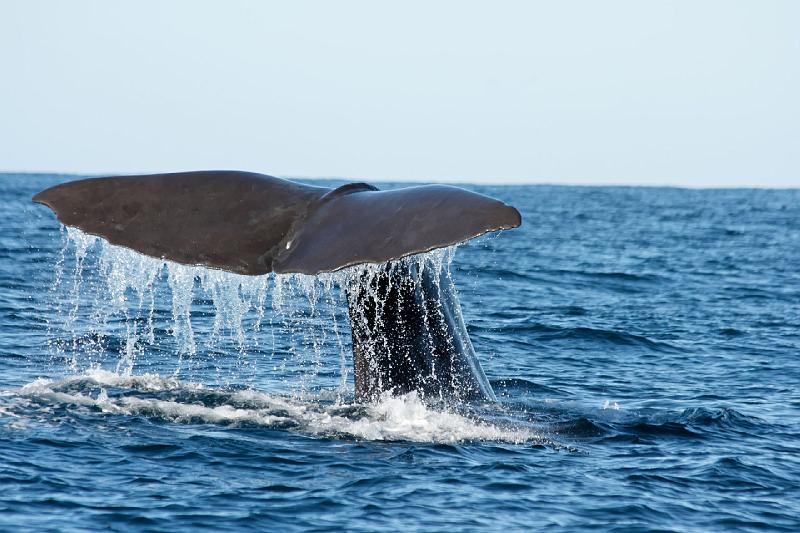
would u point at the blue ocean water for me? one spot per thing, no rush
(644, 344)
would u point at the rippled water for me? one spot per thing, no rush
(644, 345)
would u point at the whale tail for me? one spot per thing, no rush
(253, 224)
(415, 340)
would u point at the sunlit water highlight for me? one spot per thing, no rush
(643, 345)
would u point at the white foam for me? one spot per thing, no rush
(400, 418)
(608, 404)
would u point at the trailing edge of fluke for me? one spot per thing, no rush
(253, 224)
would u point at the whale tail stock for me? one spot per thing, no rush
(253, 224)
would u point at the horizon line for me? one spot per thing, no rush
(501, 182)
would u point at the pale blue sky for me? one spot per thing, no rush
(695, 93)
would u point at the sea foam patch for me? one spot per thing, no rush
(393, 418)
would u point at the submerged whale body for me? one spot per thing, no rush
(407, 330)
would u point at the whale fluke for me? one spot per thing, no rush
(253, 224)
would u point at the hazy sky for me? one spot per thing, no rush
(698, 93)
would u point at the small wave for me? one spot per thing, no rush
(719, 418)
(504, 274)
(611, 337)
(624, 281)
(393, 418)
(549, 333)
(693, 423)
(579, 428)
(731, 332)
(622, 276)
(664, 429)
(574, 310)
(519, 387)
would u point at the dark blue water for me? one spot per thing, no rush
(644, 344)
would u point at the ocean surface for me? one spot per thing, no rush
(644, 345)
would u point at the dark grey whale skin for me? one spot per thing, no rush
(253, 224)
(408, 335)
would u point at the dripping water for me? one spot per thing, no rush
(122, 311)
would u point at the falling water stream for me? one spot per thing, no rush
(121, 288)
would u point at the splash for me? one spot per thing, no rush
(118, 309)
